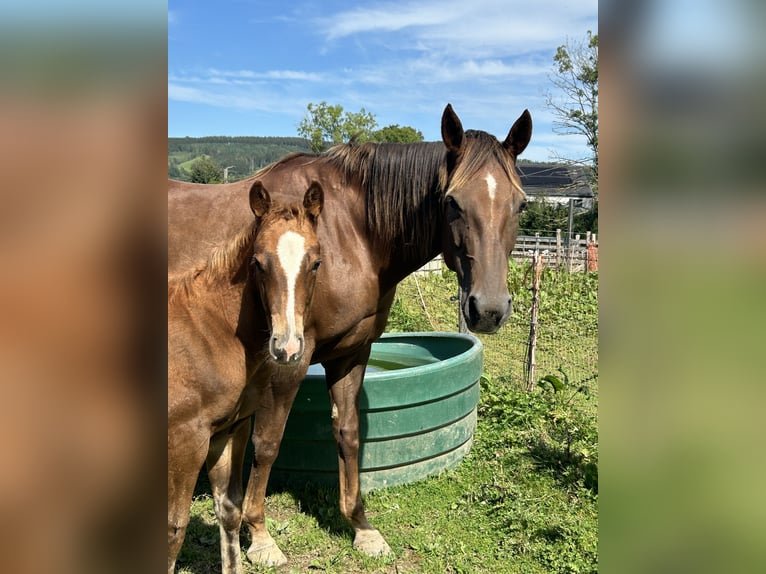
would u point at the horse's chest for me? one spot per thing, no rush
(358, 319)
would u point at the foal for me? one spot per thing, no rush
(235, 327)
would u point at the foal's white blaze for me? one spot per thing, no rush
(290, 251)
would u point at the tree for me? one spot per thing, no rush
(396, 134)
(325, 123)
(205, 170)
(575, 105)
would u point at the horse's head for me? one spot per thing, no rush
(284, 265)
(482, 203)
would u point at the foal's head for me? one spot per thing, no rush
(482, 204)
(284, 265)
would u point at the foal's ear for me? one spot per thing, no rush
(520, 133)
(313, 200)
(260, 200)
(452, 129)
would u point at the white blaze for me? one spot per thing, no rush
(290, 251)
(491, 185)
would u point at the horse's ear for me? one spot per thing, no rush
(520, 133)
(260, 200)
(452, 129)
(313, 200)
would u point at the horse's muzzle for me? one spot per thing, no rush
(286, 349)
(484, 315)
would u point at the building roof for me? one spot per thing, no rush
(551, 180)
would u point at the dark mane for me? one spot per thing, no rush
(402, 184)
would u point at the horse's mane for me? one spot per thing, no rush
(225, 261)
(404, 184)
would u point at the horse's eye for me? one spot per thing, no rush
(316, 264)
(453, 204)
(453, 209)
(523, 206)
(257, 264)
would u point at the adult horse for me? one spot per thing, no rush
(235, 331)
(389, 208)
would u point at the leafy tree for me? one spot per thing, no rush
(543, 217)
(173, 171)
(575, 104)
(397, 134)
(326, 123)
(205, 170)
(586, 221)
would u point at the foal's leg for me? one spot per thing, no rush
(224, 468)
(275, 401)
(344, 381)
(186, 453)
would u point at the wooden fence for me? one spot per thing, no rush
(578, 255)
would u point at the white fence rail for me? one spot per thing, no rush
(578, 254)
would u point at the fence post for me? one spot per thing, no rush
(537, 268)
(586, 255)
(558, 250)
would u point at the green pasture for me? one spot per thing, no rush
(525, 498)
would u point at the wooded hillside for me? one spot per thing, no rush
(246, 154)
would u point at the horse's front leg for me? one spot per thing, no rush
(344, 382)
(274, 402)
(224, 468)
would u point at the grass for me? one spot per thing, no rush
(523, 500)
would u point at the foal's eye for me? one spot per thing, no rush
(523, 206)
(315, 266)
(257, 264)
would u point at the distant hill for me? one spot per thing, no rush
(246, 154)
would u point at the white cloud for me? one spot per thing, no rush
(459, 27)
(269, 75)
(387, 17)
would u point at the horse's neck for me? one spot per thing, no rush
(406, 261)
(220, 299)
(405, 256)
(217, 286)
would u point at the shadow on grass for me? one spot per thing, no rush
(567, 468)
(318, 501)
(200, 552)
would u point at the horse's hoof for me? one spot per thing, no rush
(371, 543)
(267, 554)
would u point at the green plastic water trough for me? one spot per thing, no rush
(417, 414)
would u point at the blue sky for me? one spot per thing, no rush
(250, 67)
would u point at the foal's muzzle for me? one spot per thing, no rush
(286, 349)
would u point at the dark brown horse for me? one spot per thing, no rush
(235, 331)
(389, 208)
